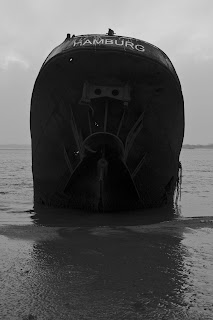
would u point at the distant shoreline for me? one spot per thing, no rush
(15, 146)
(198, 146)
(28, 146)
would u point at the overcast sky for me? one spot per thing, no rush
(30, 29)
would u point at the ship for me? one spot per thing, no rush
(107, 125)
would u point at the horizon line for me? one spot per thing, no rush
(29, 144)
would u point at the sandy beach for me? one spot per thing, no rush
(79, 269)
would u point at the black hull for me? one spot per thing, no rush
(107, 125)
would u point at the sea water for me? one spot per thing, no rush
(197, 186)
(112, 268)
(16, 186)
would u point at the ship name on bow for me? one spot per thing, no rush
(126, 44)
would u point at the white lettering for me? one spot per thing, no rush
(130, 44)
(95, 41)
(77, 43)
(108, 41)
(119, 44)
(87, 42)
(139, 47)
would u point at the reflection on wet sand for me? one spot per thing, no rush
(107, 270)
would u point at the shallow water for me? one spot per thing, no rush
(16, 188)
(158, 265)
(162, 271)
(197, 186)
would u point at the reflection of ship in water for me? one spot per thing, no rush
(49, 217)
(109, 273)
(107, 125)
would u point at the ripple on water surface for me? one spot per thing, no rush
(106, 267)
(159, 271)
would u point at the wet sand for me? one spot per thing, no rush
(78, 269)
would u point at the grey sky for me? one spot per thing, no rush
(31, 29)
